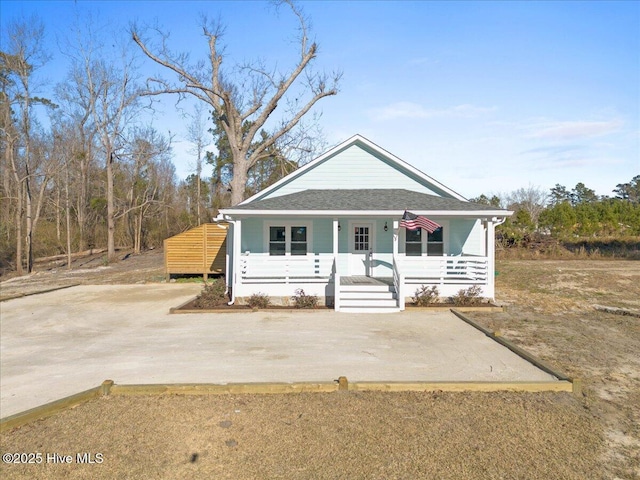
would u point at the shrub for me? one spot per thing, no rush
(302, 300)
(258, 300)
(425, 296)
(212, 295)
(470, 296)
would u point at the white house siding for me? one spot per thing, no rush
(354, 165)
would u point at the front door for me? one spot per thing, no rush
(361, 243)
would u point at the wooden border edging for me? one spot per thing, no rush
(108, 387)
(576, 383)
(49, 409)
(180, 309)
(20, 295)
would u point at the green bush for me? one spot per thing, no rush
(302, 300)
(470, 296)
(258, 300)
(425, 296)
(212, 295)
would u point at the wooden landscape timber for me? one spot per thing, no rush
(200, 250)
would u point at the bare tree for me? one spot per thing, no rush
(197, 135)
(147, 153)
(24, 55)
(250, 97)
(530, 199)
(108, 88)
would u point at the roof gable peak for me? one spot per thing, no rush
(365, 144)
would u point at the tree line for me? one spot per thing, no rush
(569, 214)
(84, 168)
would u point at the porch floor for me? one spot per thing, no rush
(364, 280)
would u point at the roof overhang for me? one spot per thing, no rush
(241, 213)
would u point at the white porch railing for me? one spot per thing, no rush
(445, 270)
(286, 269)
(336, 285)
(398, 283)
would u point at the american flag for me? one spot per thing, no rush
(411, 221)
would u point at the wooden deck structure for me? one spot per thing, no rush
(200, 250)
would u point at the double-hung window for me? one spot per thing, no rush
(288, 239)
(435, 243)
(419, 242)
(413, 243)
(277, 240)
(298, 240)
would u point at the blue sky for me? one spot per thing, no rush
(486, 97)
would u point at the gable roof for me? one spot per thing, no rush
(396, 163)
(369, 201)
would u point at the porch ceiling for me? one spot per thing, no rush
(362, 200)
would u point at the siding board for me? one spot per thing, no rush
(352, 163)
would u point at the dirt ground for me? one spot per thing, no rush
(383, 435)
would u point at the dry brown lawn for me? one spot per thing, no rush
(394, 435)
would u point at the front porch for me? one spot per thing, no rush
(320, 274)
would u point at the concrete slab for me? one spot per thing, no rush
(60, 343)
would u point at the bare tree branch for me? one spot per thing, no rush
(245, 102)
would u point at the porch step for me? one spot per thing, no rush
(368, 299)
(367, 288)
(367, 302)
(386, 295)
(369, 309)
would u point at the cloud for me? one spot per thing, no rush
(573, 130)
(568, 156)
(411, 110)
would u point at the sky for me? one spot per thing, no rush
(485, 97)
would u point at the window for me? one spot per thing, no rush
(435, 244)
(361, 239)
(298, 240)
(288, 239)
(420, 242)
(277, 240)
(414, 243)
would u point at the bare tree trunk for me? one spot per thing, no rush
(58, 216)
(19, 239)
(199, 190)
(111, 224)
(238, 183)
(29, 237)
(68, 214)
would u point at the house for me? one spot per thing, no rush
(332, 228)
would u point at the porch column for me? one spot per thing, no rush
(396, 233)
(336, 274)
(491, 259)
(237, 251)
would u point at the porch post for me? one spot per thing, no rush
(237, 251)
(396, 233)
(336, 274)
(491, 259)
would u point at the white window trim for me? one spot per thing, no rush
(287, 235)
(402, 240)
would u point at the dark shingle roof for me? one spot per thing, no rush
(362, 199)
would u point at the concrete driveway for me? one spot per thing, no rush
(63, 342)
